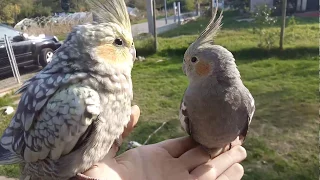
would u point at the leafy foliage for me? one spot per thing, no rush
(189, 5)
(14, 10)
(241, 5)
(263, 20)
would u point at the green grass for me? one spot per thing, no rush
(8, 100)
(283, 136)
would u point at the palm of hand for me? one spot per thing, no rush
(151, 162)
(172, 159)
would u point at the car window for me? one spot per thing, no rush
(9, 32)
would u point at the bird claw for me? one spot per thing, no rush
(217, 151)
(214, 152)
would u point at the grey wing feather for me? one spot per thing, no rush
(241, 102)
(57, 128)
(36, 94)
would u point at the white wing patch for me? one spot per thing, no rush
(182, 117)
(252, 103)
(252, 100)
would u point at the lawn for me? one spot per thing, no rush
(283, 136)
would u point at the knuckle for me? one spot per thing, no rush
(241, 151)
(223, 177)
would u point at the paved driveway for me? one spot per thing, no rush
(143, 27)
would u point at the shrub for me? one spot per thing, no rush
(263, 20)
(188, 5)
(144, 44)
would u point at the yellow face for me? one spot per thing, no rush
(119, 49)
(114, 55)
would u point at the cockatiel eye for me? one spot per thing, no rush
(194, 59)
(118, 42)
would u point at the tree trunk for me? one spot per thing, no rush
(283, 23)
(211, 7)
(155, 26)
(198, 7)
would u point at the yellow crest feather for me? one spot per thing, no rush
(105, 11)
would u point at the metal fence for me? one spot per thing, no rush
(53, 25)
(61, 25)
(12, 59)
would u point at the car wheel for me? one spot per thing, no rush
(45, 56)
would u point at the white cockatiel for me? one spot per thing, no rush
(73, 110)
(216, 107)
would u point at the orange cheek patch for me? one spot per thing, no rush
(112, 54)
(107, 52)
(202, 68)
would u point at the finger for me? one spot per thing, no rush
(235, 172)
(176, 147)
(112, 151)
(194, 158)
(236, 142)
(215, 167)
(134, 117)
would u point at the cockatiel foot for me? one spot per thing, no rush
(214, 152)
(217, 151)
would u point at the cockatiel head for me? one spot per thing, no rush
(203, 59)
(106, 46)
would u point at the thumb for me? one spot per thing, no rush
(134, 117)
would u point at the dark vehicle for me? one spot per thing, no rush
(27, 50)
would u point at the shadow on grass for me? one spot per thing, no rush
(303, 53)
(144, 44)
(254, 54)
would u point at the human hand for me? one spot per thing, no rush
(173, 159)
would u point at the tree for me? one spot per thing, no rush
(9, 11)
(283, 23)
(27, 9)
(188, 5)
(241, 5)
(65, 5)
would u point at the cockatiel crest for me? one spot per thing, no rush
(73, 110)
(216, 107)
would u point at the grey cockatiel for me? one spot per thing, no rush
(72, 111)
(216, 107)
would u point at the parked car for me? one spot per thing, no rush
(28, 50)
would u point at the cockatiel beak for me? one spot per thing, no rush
(133, 52)
(184, 69)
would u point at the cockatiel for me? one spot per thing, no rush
(216, 107)
(73, 110)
